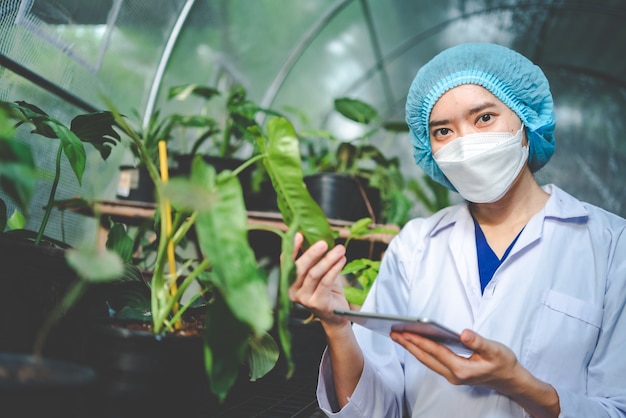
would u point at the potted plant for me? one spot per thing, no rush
(32, 383)
(368, 184)
(39, 284)
(231, 303)
(219, 131)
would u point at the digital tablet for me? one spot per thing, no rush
(384, 324)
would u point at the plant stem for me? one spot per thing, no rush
(226, 137)
(53, 190)
(182, 230)
(247, 163)
(160, 317)
(268, 228)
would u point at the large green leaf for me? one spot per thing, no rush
(223, 238)
(226, 342)
(300, 212)
(284, 167)
(97, 129)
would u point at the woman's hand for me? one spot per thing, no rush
(492, 365)
(318, 285)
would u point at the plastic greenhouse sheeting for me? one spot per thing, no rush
(297, 56)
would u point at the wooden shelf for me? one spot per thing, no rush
(131, 211)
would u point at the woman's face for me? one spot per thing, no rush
(469, 109)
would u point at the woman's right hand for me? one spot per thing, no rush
(318, 285)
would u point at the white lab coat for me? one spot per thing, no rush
(558, 301)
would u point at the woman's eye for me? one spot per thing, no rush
(485, 118)
(442, 132)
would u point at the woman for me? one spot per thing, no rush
(535, 278)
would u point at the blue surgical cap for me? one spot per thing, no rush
(508, 75)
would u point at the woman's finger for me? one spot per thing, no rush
(308, 260)
(298, 239)
(322, 275)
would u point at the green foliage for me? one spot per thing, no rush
(300, 212)
(233, 293)
(323, 152)
(18, 177)
(224, 138)
(364, 271)
(17, 166)
(356, 110)
(284, 167)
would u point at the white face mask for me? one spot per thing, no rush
(483, 166)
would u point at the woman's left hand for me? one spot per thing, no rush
(491, 365)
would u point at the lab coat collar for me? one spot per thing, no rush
(560, 205)
(563, 206)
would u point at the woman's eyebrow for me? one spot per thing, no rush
(479, 108)
(441, 122)
(476, 109)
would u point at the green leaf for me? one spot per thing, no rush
(396, 126)
(190, 196)
(97, 129)
(222, 232)
(120, 242)
(95, 265)
(356, 110)
(354, 295)
(284, 167)
(262, 355)
(38, 118)
(16, 220)
(131, 300)
(365, 272)
(73, 148)
(226, 341)
(184, 91)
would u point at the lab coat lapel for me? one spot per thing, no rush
(463, 250)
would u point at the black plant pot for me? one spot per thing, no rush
(143, 374)
(343, 197)
(135, 185)
(51, 388)
(34, 279)
(263, 200)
